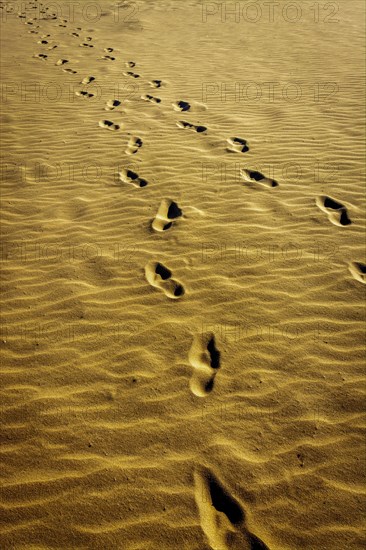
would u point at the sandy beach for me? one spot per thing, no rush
(183, 275)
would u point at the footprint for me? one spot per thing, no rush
(337, 212)
(130, 64)
(205, 359)
(112, 104)
(86, 45)
(84, 94)
(74, 34)
(222, 517)
(42, 42)
(109, 50)
(188, 126)
(41, 56)
(159, 276)
(181, 106)
(254, 176)
(237, 145)
(62, 62)
(88, 80)
(156, 83)
(133, 145)
(108, 58)
(358, 271)
(151, 98)
(131, 74)
(128, 176)
(71, 71)
(168, 211)
(109, 125)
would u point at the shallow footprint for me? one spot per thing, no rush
(222, 516)
(358, 271)
(337, 212)
(108, 58)
(109, 125)
(130, 64)
(181, 106)
(189, 126)
(151, 98)
(41, 56)
(134, 145)
(71, 71)
(237, 145)
(159, 276)
(205, 359)
(128, 176)
(168, 211)
(254, 176)
(62, 62)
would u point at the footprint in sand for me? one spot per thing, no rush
(358, 271)
(109, 125)
(134, 145)
(131, 74)
(41, 56)
(112, 104)
(188, 126)
(160, 277)
(237, 145)
(222, 517)
(151, 98)
(156, 83)
(168, 211)
(88, 80)
(128, 176)
(83, 93)
(108, 58)
(71, 71)
(130, 64)
(181, 106)
(42, 42)
(62, 62)
(205, 359)
(257, 177)
(337, 212)
(74, 34)
(86, 45)
(109, 50)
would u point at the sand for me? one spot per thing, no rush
(183, 276)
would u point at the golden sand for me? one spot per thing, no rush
(183, 272)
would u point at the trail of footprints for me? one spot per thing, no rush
(222, 516)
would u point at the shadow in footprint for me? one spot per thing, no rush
(358, 271)
(109, 125)
(151, 98)
(189, 126)
(337, 212)
(168, 210)
(237, 145)
(258, 177)
(134, 145)
(112, 104)
(205, 359)
(128, 176)
(181, 106)
(160, 277)
(222, 517)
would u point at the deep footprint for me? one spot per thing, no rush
(257, 177)
(156, 83)
(168, 211)
(134, 145)
(337, 212)
(128, 176)
(109, 125)
(205, 359)
(181, 106)
(189, 126)
(237, 145)
(222, 517)
(358, 271)
(151, 98)
(83, 93)
(160, 277)
(131, 74)
(112, 104)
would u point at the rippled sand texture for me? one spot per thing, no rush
(183, 274)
